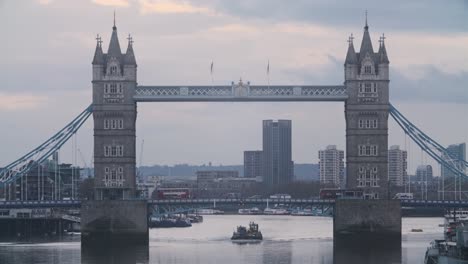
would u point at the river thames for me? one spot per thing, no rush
(287, 239)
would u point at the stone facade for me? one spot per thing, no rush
(114, 112)
(366, 112)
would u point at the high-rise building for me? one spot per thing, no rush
(278, 167)
(253, 163)
(456, 152)
(331, 166)
(397, 166)
(424, 173)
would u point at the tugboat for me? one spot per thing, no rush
(245, 235)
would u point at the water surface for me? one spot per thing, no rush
(287, 240)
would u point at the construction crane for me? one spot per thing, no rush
(84, 162)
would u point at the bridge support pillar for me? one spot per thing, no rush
(114, 222)
(367, 231)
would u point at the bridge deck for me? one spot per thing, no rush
(76, 203)
(240, 93)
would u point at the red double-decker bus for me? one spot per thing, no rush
(173, 193)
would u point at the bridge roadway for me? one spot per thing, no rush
(330, 202)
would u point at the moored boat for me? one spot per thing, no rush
(249, 211)
(276, 211)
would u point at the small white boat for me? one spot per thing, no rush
(275, 211)
(251, 211)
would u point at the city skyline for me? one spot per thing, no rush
(182, 131)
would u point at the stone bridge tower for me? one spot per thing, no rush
(114, 112)
(366, 111)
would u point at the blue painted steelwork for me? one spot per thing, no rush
(38, 155)
(427, 144)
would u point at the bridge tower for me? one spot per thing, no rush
(366, 112)
(114, 111)
(114, 217)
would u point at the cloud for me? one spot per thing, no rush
(430, 15)
(434, 85)
(171, 7)
(116, 3)
(45, 2)
(13, 102)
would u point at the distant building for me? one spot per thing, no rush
(278, 167)
(146, 188)
(205, 178)
(456, 152)
(331, 166)
(223, 184)
(253, 163)
(49, 180)
(397, 166)
(424, 173)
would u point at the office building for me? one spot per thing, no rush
(278, 167)
(424, 173)
(253, 163)
(457, 152)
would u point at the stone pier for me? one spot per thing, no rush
(114, 221)
(367, 217)
(367, 231)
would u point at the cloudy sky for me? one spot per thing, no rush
(47, 48)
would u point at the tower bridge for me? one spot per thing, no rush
(116, 213)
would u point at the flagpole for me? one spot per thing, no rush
(268, 73)
(211, 72)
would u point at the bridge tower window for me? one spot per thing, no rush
(367, 177)
(367, 150)
(113, 123)
(113, 150)
(368, 69)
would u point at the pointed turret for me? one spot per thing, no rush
(383, 58)
(351, 57)
(98, 55)
(366, 44)
(114, 46)
(129, 58)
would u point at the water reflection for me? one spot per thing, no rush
(115, 254)
(277, 253)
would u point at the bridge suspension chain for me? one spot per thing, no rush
(23, 165)
(430, 146)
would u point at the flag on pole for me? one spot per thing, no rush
(268, 73)
(211, 68)
(268, 67)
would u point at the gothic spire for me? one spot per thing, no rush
(383, 58)
(129, 58)
(366, 44)
(98, 55)
(351, 57)
(114, 46)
